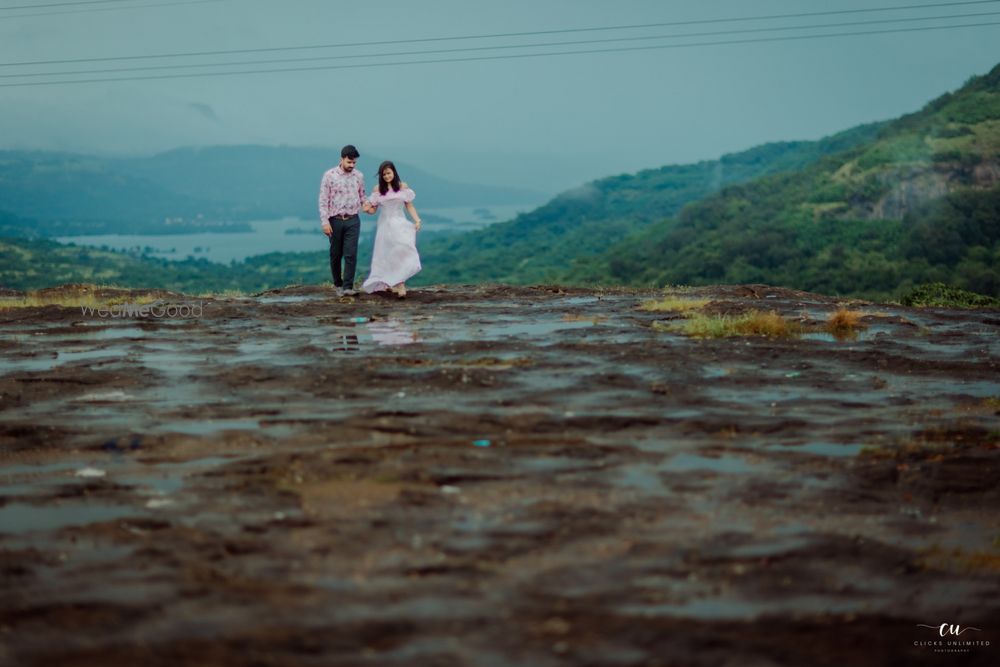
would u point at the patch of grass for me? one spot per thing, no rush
(844, 323)
(752, 323)
(947, 296)
(35, 300)
(674, 304)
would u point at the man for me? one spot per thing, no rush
(341, 196)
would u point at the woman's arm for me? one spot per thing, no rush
(409, 204)
(413, 214)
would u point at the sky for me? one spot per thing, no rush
(547, 123)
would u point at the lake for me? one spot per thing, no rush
(285, 235)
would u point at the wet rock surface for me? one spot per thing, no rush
(495, 476)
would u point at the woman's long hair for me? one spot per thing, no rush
(383, 187)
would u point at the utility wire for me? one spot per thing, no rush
(63, 4)
(106, 9)
(501, 57)
(502, 35)
(716, 33)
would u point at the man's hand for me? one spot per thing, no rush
(327, 229)
(368, 208)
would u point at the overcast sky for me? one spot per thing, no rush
(547, 122)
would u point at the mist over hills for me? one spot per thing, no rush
(196, 189)
(871, 211)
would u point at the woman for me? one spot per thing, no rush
(395, 257)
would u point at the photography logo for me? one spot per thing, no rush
(951, 638)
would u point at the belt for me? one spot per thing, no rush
(345, 217)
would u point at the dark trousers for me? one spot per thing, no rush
(344, 245)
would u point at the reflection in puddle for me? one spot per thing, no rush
(391, 332)
(345, 343)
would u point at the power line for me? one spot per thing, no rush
(148, 68)
(63, 4)
(94, 10)
(502, 35)
(501, 57)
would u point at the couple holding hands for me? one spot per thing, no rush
(341, 198)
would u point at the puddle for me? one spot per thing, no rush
(711, 371)
(547, 464)
(935, 388)
(110, 333)
(340, 343)
(392, 332)
(639, 476)
(857, 336)
(42, 469)
(158, 479)
(820, 448)
(19, 518)
(209, 426)
(173, 363)
(769, 547)
(51, 359)
(722, 464)
(733, 608)
(167, 478)
(274, 351)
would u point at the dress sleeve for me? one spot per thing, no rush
(404, 194)
(373, 198)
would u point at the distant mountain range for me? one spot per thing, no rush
(195, 189)
(870, 212)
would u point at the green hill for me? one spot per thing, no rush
(539, 246)
(34, 263)
(920, 202)
(194, 189)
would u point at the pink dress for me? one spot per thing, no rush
(395, 258)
